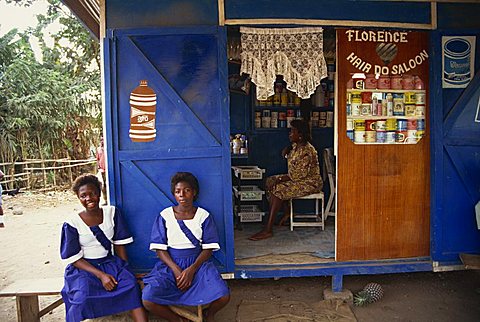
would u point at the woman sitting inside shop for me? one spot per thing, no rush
(303, 176)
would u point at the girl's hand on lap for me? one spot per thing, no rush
(108, 282)
(184, 281)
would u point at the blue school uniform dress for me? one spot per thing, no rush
(184, 241)
(83, 293)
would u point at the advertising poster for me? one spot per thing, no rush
(458, 63)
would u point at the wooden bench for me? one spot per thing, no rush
(27, 292)
(186, 312)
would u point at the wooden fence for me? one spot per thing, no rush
(34, 174)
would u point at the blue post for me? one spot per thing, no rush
(337, 283)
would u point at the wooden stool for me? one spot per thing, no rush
(185, 312)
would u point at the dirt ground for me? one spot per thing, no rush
(29, 249)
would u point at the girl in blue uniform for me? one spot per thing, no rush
(97, 280)
(184, 237)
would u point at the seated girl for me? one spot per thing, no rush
(97, 280)
(184, 237)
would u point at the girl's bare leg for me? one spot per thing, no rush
(162, 311)
(139, 315)
(216, 306)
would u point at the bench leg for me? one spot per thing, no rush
(27, 309)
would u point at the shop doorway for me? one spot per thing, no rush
(259, 132)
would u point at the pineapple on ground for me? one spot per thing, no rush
(372, 292)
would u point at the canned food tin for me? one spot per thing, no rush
(366, 97)
(391, 124)
(409, 98)
(366, 109)
(370, 125)
(411, 136)
(400, 136)
(390, 137)
(381, 126)
(421, 124)
(359, 125)
(420, 98)
(370, 136)
(356, 109)
(410, 110)
(419, 110)
(398, 107)
(349, 125)
(381, 136)
(350, 134)
(274, 123)
(412, 124)
(359, 136)
(290, 119)
(401, 125)
(356, 97)
(266, 121)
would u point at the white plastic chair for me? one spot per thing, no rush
(318, 217)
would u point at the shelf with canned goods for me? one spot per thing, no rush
(388, 130)
(349, 90)
(383, 117)
(272, 119)
(386, 103)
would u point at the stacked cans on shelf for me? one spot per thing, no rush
(391, 130)
(365, 103)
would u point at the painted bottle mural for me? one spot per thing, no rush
(143, 102)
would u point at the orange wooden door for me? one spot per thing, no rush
(383, 189)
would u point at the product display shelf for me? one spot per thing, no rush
(248, 194)
(383, 117)
(386, 90)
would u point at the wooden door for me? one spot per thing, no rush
(186, 69)
(383, 189)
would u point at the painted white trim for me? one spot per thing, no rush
(221, 13)
(155, 247)
(73, 258)
(123, 241)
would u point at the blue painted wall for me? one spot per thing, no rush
(413, 12)
(453, 228)
(455, 143)
(155, 13)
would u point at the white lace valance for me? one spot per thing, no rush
(295, 53)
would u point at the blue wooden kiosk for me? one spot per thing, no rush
(180, 48)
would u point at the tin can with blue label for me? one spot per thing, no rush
(381, 136)
(350, 134)
(401, 124)
(421, 124)
(456, 61)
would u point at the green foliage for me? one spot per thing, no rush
(49, 108)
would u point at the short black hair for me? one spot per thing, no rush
(185, 177)
(303, 128)
(85, 179)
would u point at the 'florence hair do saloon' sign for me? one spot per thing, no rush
(383, 52)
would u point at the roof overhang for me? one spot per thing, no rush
(88, 11)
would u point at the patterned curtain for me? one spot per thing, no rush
(295, 53)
